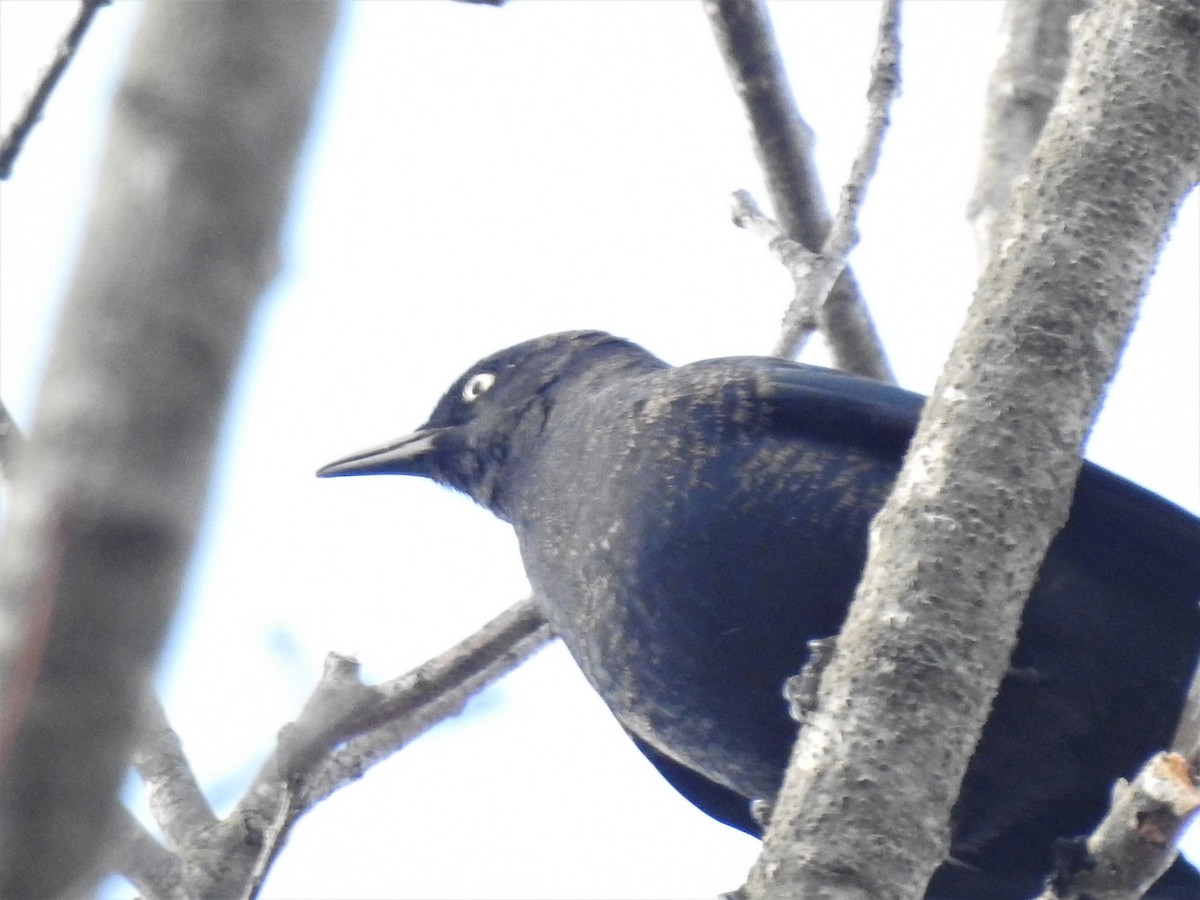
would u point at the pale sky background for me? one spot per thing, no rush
(476, 177)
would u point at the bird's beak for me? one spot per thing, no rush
(409, 455)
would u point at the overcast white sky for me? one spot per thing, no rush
(477, 177)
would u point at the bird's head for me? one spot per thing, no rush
(490, 419)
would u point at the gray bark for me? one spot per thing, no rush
(1023, 88)
(109, 489)
(988, 480)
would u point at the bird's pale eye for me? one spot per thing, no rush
(477, 385)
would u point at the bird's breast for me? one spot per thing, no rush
(685, 565)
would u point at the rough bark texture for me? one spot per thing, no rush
(109, 488)
(1023, 88)
(987, 482)
(1133, 845)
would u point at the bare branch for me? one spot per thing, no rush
(959, 542)
(110, 487)
(375, 722)
(154, 870)
(783, 143)
(10, 147)
(799, 261)
(1135, 843)
(813, 291)
(176, 801)
(344, 729)
(1033, 61)
(795, 257)
(435, 691)
(883, 90)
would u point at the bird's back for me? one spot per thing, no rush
(692, 528)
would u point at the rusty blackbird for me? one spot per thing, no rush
(689, 528)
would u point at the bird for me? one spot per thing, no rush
(689, 529)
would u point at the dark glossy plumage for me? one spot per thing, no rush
(689, 528)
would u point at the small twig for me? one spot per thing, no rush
(813, 291)
(796, 258)
(881, 93)
(176, 801)
(154, 870)
(10, 148)
(335, 708)
(340, 694)
(375, 722)
(344, 729)
(783, 144)
(417, 701)
(1135, 842)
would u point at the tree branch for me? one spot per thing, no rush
(153, 869)
(413, 703)
(815, 274)
(1023, 87)
(322, 753)
(884, 88)
(10, 147)
(176, 801)
(958, 544)
(800, 262)
(345, 728)
(783, 144)
(110, 485)
(1135, 843)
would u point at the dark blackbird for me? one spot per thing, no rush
(689, 528)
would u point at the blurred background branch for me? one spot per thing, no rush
(108, 490)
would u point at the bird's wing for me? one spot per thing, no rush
(856, 411)
(818, 403)
(1141, 525)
